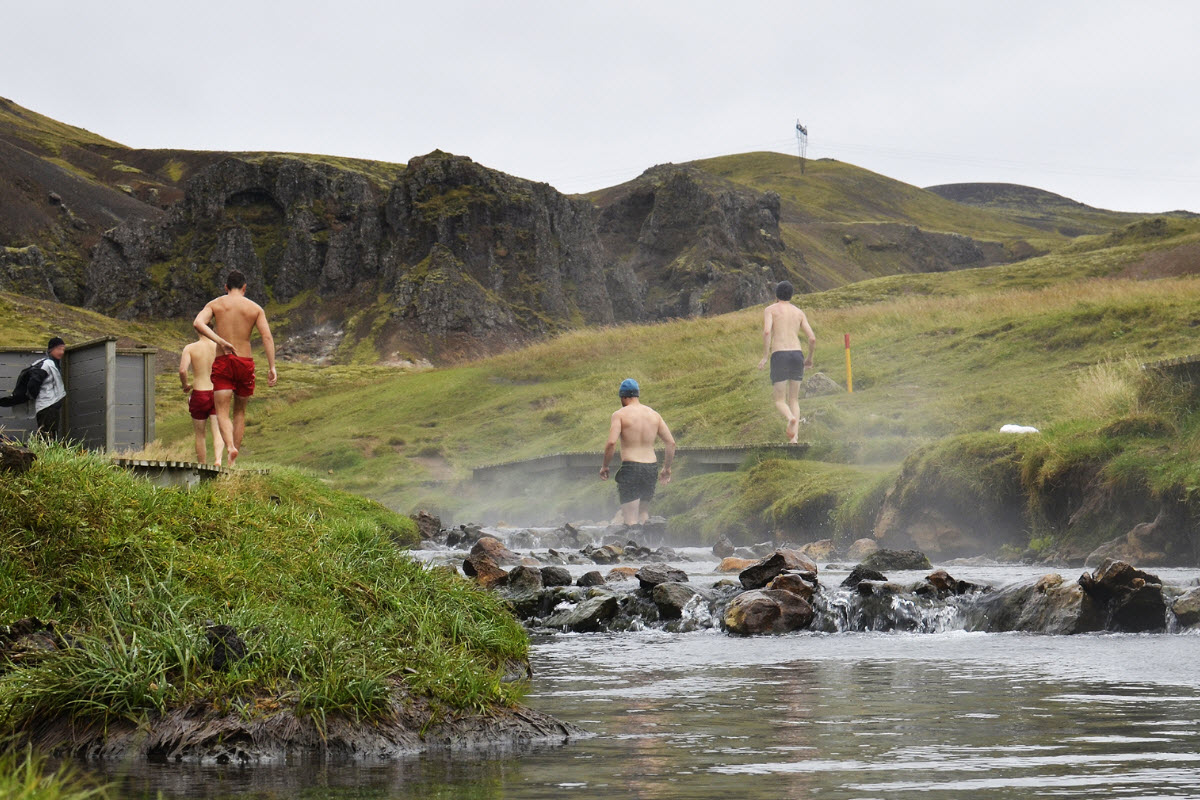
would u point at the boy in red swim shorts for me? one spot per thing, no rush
(198, 357)
(235, 316)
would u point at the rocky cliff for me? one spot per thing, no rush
(452, 259)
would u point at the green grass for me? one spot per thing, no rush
(337, 618)
(27, 775)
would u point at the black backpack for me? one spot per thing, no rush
(20, 392)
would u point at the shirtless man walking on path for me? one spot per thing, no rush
(235, 317)
(636, 427)
(198, 357)
(782, 323)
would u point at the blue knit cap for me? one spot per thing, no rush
(629, 388)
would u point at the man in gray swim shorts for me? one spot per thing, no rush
(636, 427)
(782, 324)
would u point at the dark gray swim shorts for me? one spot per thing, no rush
(787, 365)
(636, 481)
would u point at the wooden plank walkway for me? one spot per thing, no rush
(177, 473)
(691, 460)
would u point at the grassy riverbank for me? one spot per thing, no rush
(337, 620)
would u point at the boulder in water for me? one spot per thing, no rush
(652, 575)
(593, 578)
(732, 564)
(1133, 599)
(524, 579)
(671, 597)
(1048, 605)
(1187, 608)
(767, 611)
(483, 569)
(621, 574)
(760, 574)
(428, 525)
(897, 560)
(723, 548)
(862, 573)
(586, 617)
(555, 576)
(494, 549)
(801, 583)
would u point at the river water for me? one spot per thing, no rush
(946, 714)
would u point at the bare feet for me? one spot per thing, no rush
(233, 454)
(793, 430)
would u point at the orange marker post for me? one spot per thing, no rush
(849, 374)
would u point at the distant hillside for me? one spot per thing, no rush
(445, 259)
(1037, 208)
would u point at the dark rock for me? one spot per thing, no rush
(1048, 605)
(1187, 608)
(484, 570)
(607, 554)
(463, 536)
(861, 573)
(767, 611)
(586, 617)
(723, 548)
(494, 549)
(593, 578)
(760, 574)
(524, 579)
(227, 647)
(555, 576)
(1133, 599)
(896, 560)
(14, 458)
(652, 575)
(801, 583)
(428, 526)
(671, 598)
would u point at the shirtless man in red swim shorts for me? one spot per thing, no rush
(198, 358)
(235, 316)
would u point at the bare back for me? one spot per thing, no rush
(200, 357)
(234, 317)
(782, 322)
(639, 426)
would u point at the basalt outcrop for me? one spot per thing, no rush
(450, 258)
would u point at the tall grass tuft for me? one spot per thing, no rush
(1108, 389)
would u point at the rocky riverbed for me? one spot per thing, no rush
(637, 582)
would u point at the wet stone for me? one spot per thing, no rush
(652, 575)
(593, 578)
(555, 576)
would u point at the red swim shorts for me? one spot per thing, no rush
(234, 373)
(201, 405)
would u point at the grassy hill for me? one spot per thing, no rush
(934, 355)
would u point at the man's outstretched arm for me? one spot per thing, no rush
(201, 324)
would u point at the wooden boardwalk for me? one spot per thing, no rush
(177, 473)
(689, 460)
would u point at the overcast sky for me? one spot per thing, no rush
(1091, 99)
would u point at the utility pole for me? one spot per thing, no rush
(801, 143)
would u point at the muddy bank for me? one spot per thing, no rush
(200, 734)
